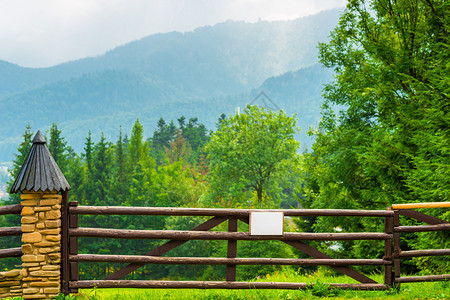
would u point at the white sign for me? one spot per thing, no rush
(266, 223)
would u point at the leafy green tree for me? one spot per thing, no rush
(389, 141)
(249, 151)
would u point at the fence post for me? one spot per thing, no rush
(388, 224)
(73, 247)
(231, 250)
(40, 181)
(396, 249)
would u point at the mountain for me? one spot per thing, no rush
(202, 73)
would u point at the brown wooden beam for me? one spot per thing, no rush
(215, 235)
(142, 259)
(421, 217)
(231, 250)
(164, 248)
(423, 228)
(424, 278)
(65, 243)
(10, 231)
(223, 212)
(11, 209)
(11, 252)
(216, 285)
(429, 252)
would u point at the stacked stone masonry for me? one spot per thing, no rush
(11, 284)
(41, 245)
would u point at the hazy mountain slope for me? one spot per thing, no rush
(196, 74)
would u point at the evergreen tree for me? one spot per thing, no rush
(58, 147)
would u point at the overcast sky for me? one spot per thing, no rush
(40, 33)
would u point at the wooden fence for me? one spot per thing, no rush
(391, 261)
(201, 232)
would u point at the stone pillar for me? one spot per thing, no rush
(41, 238)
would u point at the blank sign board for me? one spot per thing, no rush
(266, 223)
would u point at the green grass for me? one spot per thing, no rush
(428, 290)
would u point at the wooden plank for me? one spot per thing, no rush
(428, 252)
(388, 227)
(397, 249)
(223, 212)
(423, 228)
(142, 259)
(421, 205)
(424, 278)
(216, 285)
(421, 217)
(10, 231)
(231, 250)
(11, 252)
(15, 209)
(313, 252)
(65, 243)
(158, 251)
(203, 235)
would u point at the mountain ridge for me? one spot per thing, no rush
(213, 68)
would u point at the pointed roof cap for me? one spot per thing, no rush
(39, 171)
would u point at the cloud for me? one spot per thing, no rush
(47, 32)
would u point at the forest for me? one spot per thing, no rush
(384, 138)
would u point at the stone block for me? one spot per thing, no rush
(27, 211)
(45, 284)
(49, 202)
(4, 290)
(33, 237)
(29, 265)
(31, 196)
(34, 269)
(51, 231)
(41, 215)
(29, 220)
(53, 223)
(30, 291)
(29, 202)
(51, 290)
(12, 273)
(27, 249)
(50, 268)
(42, 208)
(54, 255)
(53, 214)
(32, 258)
(9, 283)
(53, 238)
(28, 227)
(49, 250)
(40, 225)
(47, 244)
(52, 196)
(57, 206)
(44, 273)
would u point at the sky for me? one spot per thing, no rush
(43, 33)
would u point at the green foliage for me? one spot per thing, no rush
(389, 143)
(248, 152)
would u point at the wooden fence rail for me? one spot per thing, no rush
(10, 231)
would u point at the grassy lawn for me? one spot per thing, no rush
(429, 290)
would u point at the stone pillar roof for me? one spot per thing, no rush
(39, 171)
